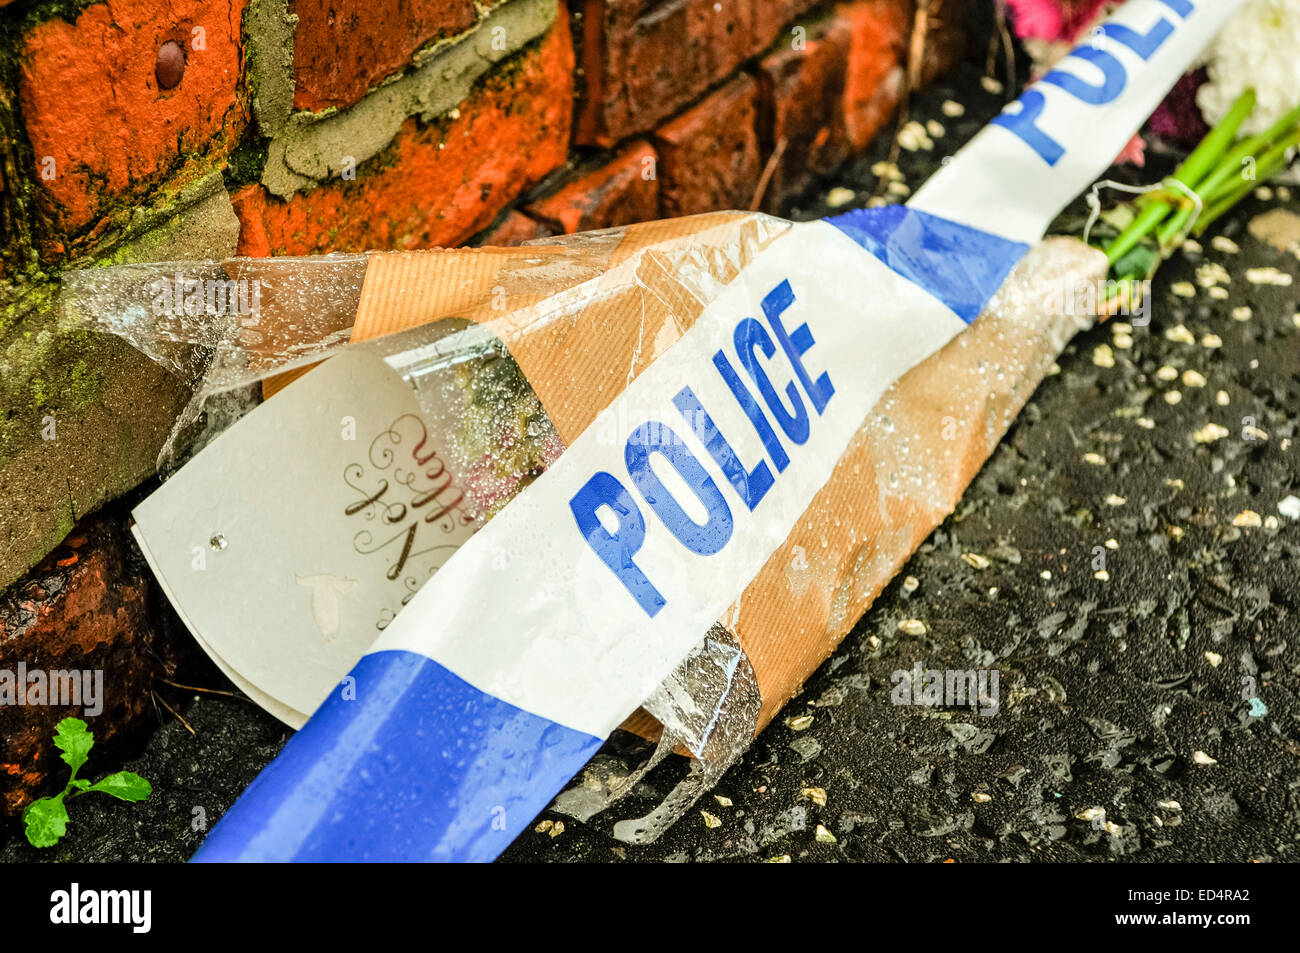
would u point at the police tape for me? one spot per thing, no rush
(508, 668)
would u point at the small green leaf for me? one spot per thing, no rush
(1141, 261)
(75, 741)
(125, 785)
(79, 783)
(46, 820)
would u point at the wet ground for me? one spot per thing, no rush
(1157, 699)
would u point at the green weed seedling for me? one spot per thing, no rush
(46, 819)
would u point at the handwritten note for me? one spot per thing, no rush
(291, 541)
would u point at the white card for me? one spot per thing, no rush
(291, 541)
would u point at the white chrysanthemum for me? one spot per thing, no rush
(1260, 48)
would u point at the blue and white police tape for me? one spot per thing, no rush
(503, 675)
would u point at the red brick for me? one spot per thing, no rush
(709, 155)
(435, 185)
(624, 191)
(803, 92)
(250, 203)
(344, 47)
(86, 606)
(514, 228)
(645, 59)
(92, 103)
(777, 19)
(877, 58)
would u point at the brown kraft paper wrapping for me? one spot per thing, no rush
(903, 473)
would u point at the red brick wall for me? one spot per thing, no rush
(593, 114)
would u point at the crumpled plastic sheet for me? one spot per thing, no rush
(473, 393)
(226, 327)
(220, 326)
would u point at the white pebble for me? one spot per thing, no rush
(1247, 519)
(913, 137)
(1268, 276)
(1211, 274)
(1210, 433)
(840, 196)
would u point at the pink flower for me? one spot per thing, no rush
(1135, 153)
(1055, 21)
(1051, 27)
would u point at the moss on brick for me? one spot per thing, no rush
(45, 373)
(245, 164)
(196, 153)
(67, 10)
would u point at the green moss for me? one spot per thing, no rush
(47, 371)
(35, 299)
(504, 74)
(67, 10)
(245, 164)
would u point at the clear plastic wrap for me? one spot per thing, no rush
(495, 436)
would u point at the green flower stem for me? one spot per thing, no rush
(1268, 155)
(1207, 155)
(1213, 186)
(1269, 164)
(1148, 218)
(1203, 160)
